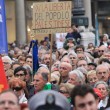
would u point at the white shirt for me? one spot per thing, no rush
(103, 103)
(23, 99)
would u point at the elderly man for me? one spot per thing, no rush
(9, 101)
(64, 70)
(46, 59)
(7, 62)
(102, 50)
(82, 63)
(102, 72)
(40, 83)
(73, 57)
(66, 59)
(44, 69)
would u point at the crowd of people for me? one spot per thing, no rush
(79, 75)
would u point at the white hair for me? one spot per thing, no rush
(101, 66)
(7, 58)
(106, 35)
(72, 53)
(79, 74)
(101, 82)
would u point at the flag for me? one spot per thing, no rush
(3, 80)
(35, 56)
(3, 30)
(34, 46)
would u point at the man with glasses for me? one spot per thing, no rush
(102, 49)
(20, 72)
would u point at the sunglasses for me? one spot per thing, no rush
(101, 50)
(17, 88)
(63, 92)
(17, 75)
(53, 82)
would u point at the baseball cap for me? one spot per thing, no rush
(94, 64)
(49, 100)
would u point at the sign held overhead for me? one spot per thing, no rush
(51, 17)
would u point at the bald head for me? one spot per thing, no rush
(68, 65)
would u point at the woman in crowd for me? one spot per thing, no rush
(103, 87)
(55, 66)
(65, 89)
(92, 77)
(9, 74)
(19, 87)
(55, 79)
(104, 40)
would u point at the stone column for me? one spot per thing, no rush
(20, 22)
(87, 6)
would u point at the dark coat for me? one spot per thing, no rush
(101, 43)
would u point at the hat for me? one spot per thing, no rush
(49, 99)
(93, 64)
(98, 93)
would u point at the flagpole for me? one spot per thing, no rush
(51, 48)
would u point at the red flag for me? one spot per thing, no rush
(3, 80)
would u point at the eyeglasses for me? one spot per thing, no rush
(101, 50)
(72, 58)
(53, 82)
(17, 75)
(81, 58)
(63, 92)
(6, 63)
(56, 65)
(17, 88)
(79, 50)
(63, 68)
